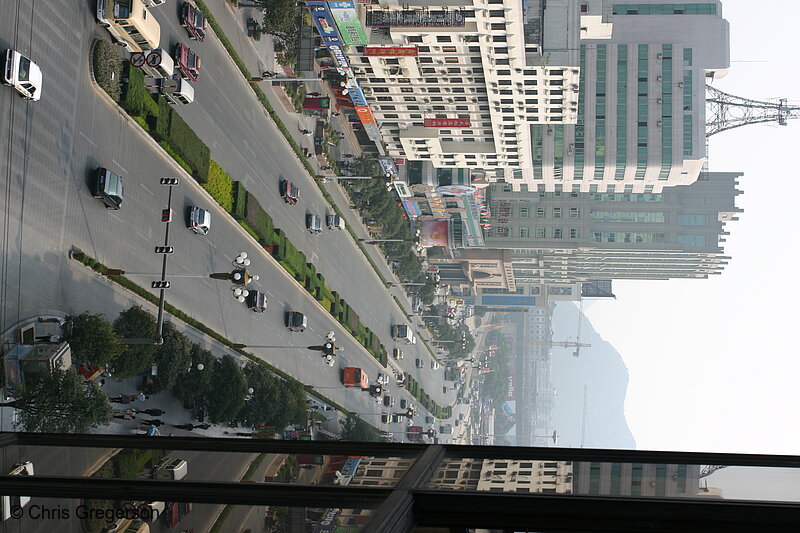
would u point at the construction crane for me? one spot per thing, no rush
(577, 351)
(707, 470)
(585, 412)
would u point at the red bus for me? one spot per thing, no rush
(415, 434)
(355, 377)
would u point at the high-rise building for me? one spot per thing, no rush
(641, 107)
(570, 237)
(456, 84)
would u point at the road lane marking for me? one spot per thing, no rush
(120, 166)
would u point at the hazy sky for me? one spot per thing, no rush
(715, 364)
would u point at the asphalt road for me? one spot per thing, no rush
(55, 145)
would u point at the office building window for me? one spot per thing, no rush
(540, 233)
(574, 233)
(574, 212)
(540, 212)
(557, 233)
(524, 233)
(556, 212)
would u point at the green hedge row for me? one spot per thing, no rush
(260, 225)
(425, 400)
(173, 129)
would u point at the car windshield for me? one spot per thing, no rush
(24, 68)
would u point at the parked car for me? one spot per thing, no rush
(194, 21)
(403, 403)
(9, 503)
(444, 389)
(296, 321)
(396, 419)
(256, 301)
(382, 379)
(199, 220)
(397, 353)
(461, 416)
(188, 62)
(420, 363)
(109, 188)
(289, 192)
(385, 418)
(388, 401)
(434, 365)
(313, 223)
(23, 75)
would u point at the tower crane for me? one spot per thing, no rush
(585, 412)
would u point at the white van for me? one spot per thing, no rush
(163, 67)
(176, 90)
(175, 469)
(334, 222)
(403, 333)
(22, 74)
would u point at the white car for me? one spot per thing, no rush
(199, 220)
(23, 75)
(382, 379)
(8, 502)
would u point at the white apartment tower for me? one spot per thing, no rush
(481, 73)
(641, 117)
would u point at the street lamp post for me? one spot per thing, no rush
(375, 241)
(321, 177)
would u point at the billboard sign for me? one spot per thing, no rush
(446, 123)
(388, 166)
(412, 208)
(339, 57)
(355, 93)
(316, 103)
(365, 115)
(433, 233)
(323, 20)
(391, 51)
(346, 17)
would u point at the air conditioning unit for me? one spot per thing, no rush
(680, 84)
(659, 100)
(659, 123)
(659, 56)
(550, 130)
(570, 151)
(659, 78)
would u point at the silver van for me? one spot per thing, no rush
(158, 64)
(313, 223)
(176, 90)
(334, 222)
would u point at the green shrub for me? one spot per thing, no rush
(220, 186)
(107, 67)
(137, 101)
(258, 219)
(178, 159)
(190, 147)
(240, 197)
(248, 229)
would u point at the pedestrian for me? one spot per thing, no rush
(347, 155)
(50, 339)
(102, 382)
(268, 74)
(152, 411)
(203, 426)
(336, 113)
(142, 397)
(314, 94)
(308, 133)
(125, 415)
(156, 422)
(123, 398)
(187, 427)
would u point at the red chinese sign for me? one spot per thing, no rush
(391, 51)
(446, 123)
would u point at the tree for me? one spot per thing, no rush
(192, 388)
(134, 323)
(226, 397)
(281, 19)
(355, 429)
(274, 401)
(363, 166)
(173, 357)
(92, 339)
(61, 402)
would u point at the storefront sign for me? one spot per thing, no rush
(339, 57)
(346, 17)
(323, 20)
(412, 208)
(365, 115)
(388, 166)
(391, 51)
(433, 233)
(446, 123)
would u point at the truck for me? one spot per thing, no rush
(175, 89)
(355, 377)
(177, 511)
(158, 64)
(403, 333)
(415, 434)
(446, 429)
(174, 469)
(188, 62)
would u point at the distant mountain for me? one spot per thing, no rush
(605, 375)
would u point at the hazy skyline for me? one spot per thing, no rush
(712, 363)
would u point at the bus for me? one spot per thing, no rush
(355, 377)
(129, 23)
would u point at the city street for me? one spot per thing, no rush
(56, 144)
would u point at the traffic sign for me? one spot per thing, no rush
(137, 59)
(154, 58)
